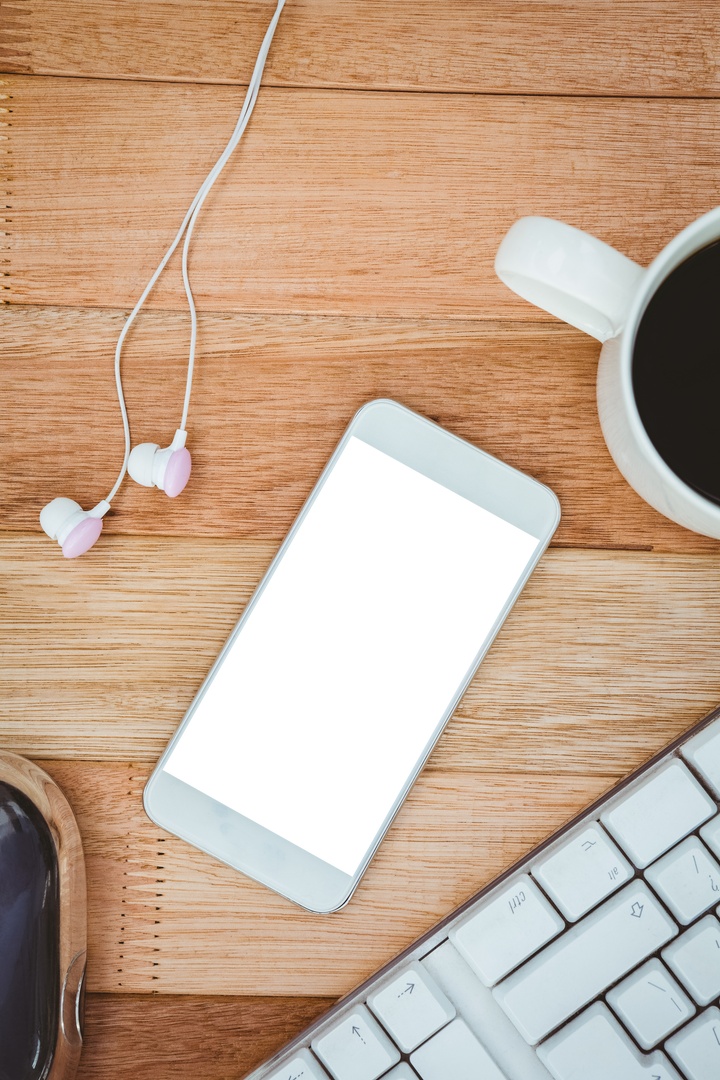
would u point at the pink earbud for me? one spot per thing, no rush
(167, 469)
(75, 529)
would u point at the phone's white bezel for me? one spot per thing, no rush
(247, 846)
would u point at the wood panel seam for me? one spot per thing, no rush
(340, 88)
(543, 323)
(6, 113)
(643, 47)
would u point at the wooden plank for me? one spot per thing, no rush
(273, 394)
(464, 822)
(638, 47)
(338, 203)
(102, 656)
(164, 917)
(147, 1037)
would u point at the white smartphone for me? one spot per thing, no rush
(351, 656)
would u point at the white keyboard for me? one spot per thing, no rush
(596, 958)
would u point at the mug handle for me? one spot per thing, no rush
(570, 274)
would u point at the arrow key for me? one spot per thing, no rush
(356, 1048)
(302, 1066)
(412, 1007)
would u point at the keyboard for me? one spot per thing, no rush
(597, 957)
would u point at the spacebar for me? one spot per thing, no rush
(577, 967)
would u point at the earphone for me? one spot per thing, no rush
(64, 520)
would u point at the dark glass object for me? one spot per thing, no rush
(29, 939)
(676, 371)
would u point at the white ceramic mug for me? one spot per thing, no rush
(593, 287)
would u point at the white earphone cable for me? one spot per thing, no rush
(188, 224)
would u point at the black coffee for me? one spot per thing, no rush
(676, 371)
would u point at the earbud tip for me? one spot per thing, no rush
(82, 537)
(177, 472)
(140, 463)
(56, 513)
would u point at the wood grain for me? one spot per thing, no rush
(337, 203)
(165, 918)
(382, 211)
(645, 47)
(102, 656)
(272, 396)
(143, 1037)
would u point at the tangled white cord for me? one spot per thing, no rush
(186, 229)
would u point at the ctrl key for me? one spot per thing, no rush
(356, 1048)
(506, 929)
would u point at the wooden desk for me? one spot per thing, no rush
(345, 254)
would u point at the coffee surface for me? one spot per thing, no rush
(676, 371)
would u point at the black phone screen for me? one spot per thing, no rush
(355, 648)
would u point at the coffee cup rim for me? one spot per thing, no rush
(690, 240)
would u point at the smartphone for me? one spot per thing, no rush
(351, 656)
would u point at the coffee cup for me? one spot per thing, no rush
(593, 287)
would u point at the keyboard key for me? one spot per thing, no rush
(711, 834)
(475, 1003)
(503, 932)
(573, 970)
(411, 1007)
(356, 1048)
(592, 955)
(695, 959)
(687, 879)
(594, 1047)
(703, 752)
(650, 1004)
(657, 813)
(696, 1048)
(581, 873)
(302, 1067)
(455, 1052)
